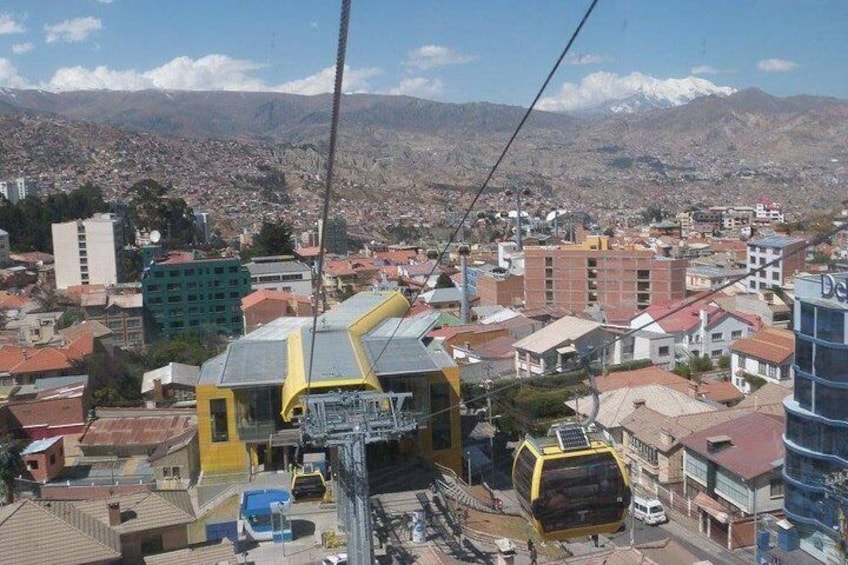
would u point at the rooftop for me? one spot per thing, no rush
(774, 345)
(616, 405)
(147, 430)
(756, 445)
(776, 241)
(567, 328)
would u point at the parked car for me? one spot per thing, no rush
(337, 559)
(649, 510)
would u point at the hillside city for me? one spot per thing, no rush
(155, 371)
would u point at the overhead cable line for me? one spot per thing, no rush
(328, 185)
(491, 173)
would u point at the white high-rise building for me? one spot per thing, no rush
(87, 251)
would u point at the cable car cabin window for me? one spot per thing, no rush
(305, 487)
(578, 492)
(522, 478)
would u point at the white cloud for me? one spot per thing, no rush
(776, 65)
(420, 87)
(9, 76)
(9, 26)
(19, 48)
(72, 31)
(355, 80)
(432, 56)
(105, 1)
(704, 70)
(586, 59)
(212, 72)
(600, 87)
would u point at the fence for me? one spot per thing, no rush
(670, 498)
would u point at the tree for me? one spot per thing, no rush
(151, 209)
(11, 465)
(272, 239)
(444, 281)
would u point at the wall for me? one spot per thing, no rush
(173, 538)
(219, 457)
(88, 492)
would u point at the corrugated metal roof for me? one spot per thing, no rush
(40, 445)
(567, 328)
(277, 267)
(212, 370)
(172, 373)
(250, 362)
(414, 327)
(279, 328)
(349, 311)
(334, 356)
(399, 356)
(148, 430)
(442, 295)
(776, 242)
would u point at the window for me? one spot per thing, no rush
(171, 472)
(776, 488)
(32, 465)
(663, 351)
(549, 261)
(729, 487)
(736, 334)
(151, 545)
(52, 458)
(715, 353)
(696, 468)
(716, 336)
(830, 325)
(440, 424)
(761, 367)
(808, 318)
(772, 372)
(218, 415)
(775, 276)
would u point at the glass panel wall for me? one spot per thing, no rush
(258, 412)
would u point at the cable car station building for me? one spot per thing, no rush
(248, 397)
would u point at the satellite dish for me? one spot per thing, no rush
(155, 236)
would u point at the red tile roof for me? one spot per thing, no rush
(722, 392)
(263, 294)
(640, 377)
(774, 345)
(308, 251)
(756, 444)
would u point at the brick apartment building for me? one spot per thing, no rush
(579, 276)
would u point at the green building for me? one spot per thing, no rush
(186, 292)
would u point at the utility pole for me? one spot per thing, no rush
(487, 386)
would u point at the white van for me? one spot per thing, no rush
(649, 510)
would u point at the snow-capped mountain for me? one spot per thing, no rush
(606, 93)
(664, 94)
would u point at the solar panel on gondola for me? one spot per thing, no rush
(572, 437)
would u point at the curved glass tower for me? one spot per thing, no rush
(816, 438)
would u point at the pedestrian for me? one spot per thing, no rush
(533, 555)
(530, 545)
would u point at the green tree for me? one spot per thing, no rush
(11, 465)
(150, 209)
(444, 281)
(272, 239)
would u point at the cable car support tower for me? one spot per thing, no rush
(349, 421)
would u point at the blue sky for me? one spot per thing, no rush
(454, 51)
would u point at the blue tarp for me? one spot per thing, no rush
(257, 502)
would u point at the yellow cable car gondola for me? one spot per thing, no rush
(570, 485)
(308, 484)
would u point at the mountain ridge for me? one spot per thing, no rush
(401, 151)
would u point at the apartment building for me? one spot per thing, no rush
(87, 251)
(576, 277)
(185, 292)
(774, 261)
